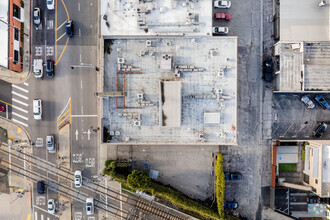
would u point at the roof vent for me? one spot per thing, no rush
(121, 60)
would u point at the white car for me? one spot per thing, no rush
(36, 16)
(51, 206)
(37, 109)
(50, 4)
(220, 30)
(77, 178)
(38, 68)
(307, 101)
(89, 206)
(222, 4)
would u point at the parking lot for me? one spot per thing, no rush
(293, 120)
(290, 200)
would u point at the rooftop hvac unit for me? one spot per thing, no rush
(142, 53)
(221, 73)
(201, 136)
(140, 95)
(219, 91)
(148, 43)
(121, 60)
(137, 123)
(117, 133)
(112, 133)
(222, 134)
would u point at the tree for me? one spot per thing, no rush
(139, 180)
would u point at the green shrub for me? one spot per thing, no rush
(303, 152)
(220, 185)
(107, 163)
(139, 180)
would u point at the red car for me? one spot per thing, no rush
(222, 16)
(2, 108)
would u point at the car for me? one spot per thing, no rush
(220, 30)
(268, 70)
(50, 68)
(222, 16)
(68, 28)
(320, 129)
(38, 68)
(37, 109)
(51, 206)
(36, 16)
(50, 5)
(50, 142)
(2, 108)
(231, 205)
(222, 4)
(323, 103)
(78, 178)
(41, 187)
(307, 101)
(233, 176)
(89, 206)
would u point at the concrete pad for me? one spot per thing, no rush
(64, 146)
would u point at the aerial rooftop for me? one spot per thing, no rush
(171, 90)
(155, 17)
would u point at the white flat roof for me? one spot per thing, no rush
(4, 33)
(304, 20)
(161, 17)
(171, 99)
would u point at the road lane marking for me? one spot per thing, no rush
(18, 108)
(81, 116)
(19, 122)
(20, 102)
(78, 6)
(22, 96)
(80, 58)
(66, 10)
(79, 33)
(82, 110)
(35, 215)
(61, 37)
(6, 103)
(66, 44)
(81, 84)
(21, 116)
(17, 87)
(42, 216)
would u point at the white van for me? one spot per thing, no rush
(37, 109)
(38, 68)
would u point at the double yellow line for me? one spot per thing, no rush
(56, 29)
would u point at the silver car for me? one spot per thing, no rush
(51, 206)
(307, 101)
(50, 142)
(36, 16)
(77, 178)
(89, 206)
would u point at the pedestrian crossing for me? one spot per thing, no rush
(40, 216)
(20, 103)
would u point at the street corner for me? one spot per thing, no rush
(9, 130)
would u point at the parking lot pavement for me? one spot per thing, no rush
(292, 120)
(290, 200)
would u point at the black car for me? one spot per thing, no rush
(68, 28)
(50, 68)
(41, 187)
(320, 129)
(268, 70)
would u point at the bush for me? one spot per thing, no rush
(139, 180)
(220, 185)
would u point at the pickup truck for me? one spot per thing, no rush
(38, 68)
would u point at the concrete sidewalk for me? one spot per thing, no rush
(12, 76)
(16, 134)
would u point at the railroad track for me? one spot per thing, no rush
(67, 176)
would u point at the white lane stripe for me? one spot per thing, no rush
(19, 122)
(17, 87)
(21, 116)
(22, 96)
(48, 218)
(83, 116)
(20, 102)
(35, 215)
(44, 210)
(26, 84)
(42, 217)
(18, 108)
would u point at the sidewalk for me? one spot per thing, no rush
(15, 133)
(12, 76)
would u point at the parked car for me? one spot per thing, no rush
(320, 129)
(77, 178)
(89, 206)
(51, 206)
(268, 70)
(307, 101)
(231, 205)
(38, 68)
(233, 176)
(323, 103)
(37, 109)
(50, 142)
(36, 16)
(50, 4)
(2, 108)
(222, 4)
(50, 68)
(222, 16)
(41, 187)
(68, 28)
(220, 30)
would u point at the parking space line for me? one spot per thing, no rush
(301, 128)
(287, 130)
(21, 116)
(18, 108)
(20, 102)
(17, 87)
(276, 103)
(274, 130)
(26, 84)
(19, 122)
(309, 133)
(22, 96)
(288, 101)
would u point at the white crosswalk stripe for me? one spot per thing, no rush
(20, 113)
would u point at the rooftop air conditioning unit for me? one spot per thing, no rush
(201, 136)
(148, 43)
(221, 73)
(121, 60)
(219, 91)
(140, 95)
(137, 123)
